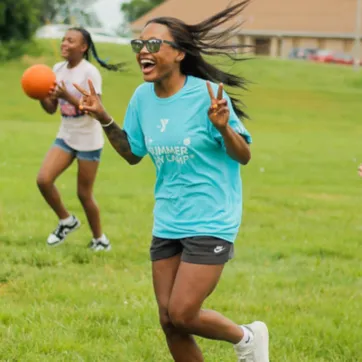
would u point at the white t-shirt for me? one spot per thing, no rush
(79, 131)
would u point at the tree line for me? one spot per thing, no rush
(21, 18)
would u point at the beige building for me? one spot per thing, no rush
(276, 26)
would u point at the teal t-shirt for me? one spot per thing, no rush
(198, 189)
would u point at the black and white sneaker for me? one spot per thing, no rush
(100, 244)
(62, 230)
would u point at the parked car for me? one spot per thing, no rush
(323, 56)
(345, 59)
(302, 53)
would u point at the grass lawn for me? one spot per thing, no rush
(298, 254)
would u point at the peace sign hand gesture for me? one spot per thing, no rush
(91, 103)
(60, 91)
(219, 111)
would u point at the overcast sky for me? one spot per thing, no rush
(109, 12)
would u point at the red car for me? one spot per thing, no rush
(345, 59)
(323, 56)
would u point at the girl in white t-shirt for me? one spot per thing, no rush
(80, 137)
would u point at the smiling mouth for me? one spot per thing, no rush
(147, 65)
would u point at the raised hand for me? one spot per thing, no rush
(91, 103)
(60, 91)
(218, 112)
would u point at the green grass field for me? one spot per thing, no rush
(298, 255)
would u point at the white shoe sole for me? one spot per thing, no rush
(108, 248)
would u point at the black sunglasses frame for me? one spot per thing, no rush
(148, 46)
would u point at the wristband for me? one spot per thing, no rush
(108, 124)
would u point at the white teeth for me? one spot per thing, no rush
(147, 62)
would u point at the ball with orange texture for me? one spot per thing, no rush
(37, 81)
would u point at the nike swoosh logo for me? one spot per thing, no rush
(219, 249)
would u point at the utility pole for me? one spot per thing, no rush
(357, 43)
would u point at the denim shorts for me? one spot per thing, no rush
(80, 155)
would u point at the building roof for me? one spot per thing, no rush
(331, 18)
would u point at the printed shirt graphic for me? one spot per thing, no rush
(79, 131)
(198, 186)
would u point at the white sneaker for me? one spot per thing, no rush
(62, 230)
(257, 349)
(100, 244)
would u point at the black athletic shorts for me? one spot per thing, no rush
(196, 250)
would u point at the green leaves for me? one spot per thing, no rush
(136, 8)
(18, 21)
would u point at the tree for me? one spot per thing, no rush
(136, 8)
(50, 9)
(64, 11)
(18, 21)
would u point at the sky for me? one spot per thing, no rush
(109, 12)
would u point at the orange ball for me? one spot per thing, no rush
(37, 81)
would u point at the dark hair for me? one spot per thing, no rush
(92, 49)
(200, 39)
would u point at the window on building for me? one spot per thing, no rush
(262, 46)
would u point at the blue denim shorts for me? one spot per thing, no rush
(80, 155)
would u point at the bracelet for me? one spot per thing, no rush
(108, 124)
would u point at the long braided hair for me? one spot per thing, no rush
(92, 50)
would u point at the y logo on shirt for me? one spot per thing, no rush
(164, 123)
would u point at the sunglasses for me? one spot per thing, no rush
(152, 45)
